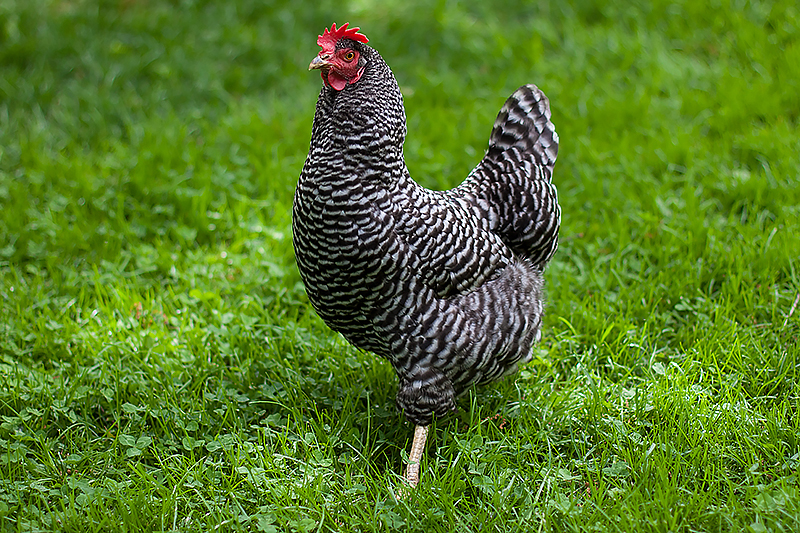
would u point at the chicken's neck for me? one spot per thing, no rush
(357, 138)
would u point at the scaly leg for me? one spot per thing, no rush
(415, 455)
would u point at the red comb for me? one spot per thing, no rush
(329, 38)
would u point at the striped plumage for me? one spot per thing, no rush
(445, 285)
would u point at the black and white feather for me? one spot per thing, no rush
(446, 285)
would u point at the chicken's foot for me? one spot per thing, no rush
(415, 455)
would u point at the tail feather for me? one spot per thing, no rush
(524, 123)
(511, 191)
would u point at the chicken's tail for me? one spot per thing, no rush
(524, 123)
(511, 192)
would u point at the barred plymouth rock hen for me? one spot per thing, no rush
(446, 285)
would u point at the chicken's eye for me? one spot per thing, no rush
(349, 56)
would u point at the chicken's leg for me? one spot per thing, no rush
(415, 455)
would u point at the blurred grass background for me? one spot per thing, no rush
(162, 369)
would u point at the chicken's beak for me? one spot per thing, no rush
(319, 62)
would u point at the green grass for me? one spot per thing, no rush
(161, 368)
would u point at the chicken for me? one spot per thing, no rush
(446, 285)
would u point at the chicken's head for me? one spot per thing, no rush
(339, 62)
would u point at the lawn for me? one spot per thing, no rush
(161, 368)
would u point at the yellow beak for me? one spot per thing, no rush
(319, 62)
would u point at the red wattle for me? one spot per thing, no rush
(336, 81)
